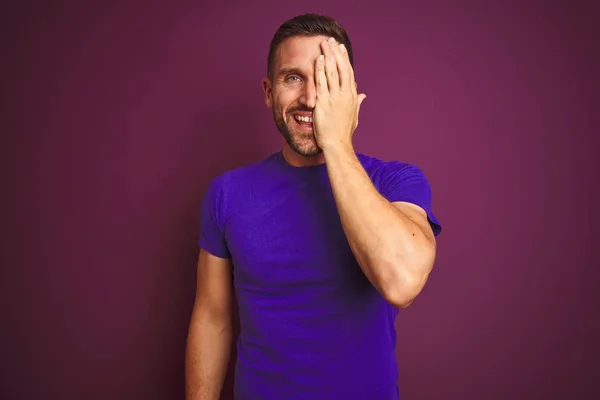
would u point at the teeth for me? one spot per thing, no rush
(303, 119)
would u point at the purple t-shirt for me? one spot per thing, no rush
(311, 325)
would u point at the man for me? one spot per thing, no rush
(321, 245)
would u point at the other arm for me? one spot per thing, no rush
(210, 332)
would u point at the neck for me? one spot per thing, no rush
(297, 160)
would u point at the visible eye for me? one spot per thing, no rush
(293, 78)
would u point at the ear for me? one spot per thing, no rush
(268, 89)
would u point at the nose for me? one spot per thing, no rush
(309, 95)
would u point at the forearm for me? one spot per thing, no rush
(207, 358)
(394, 253)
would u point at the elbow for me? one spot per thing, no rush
(402, 302)
(406, 284)
(401, 298)
(400, 288)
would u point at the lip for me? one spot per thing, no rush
(302, 127)
(303, 113)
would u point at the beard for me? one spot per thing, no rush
(302, 143)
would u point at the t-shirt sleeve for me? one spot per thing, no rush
(212, 235)
(406, 182)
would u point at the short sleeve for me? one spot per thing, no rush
(212, 237)
(406, 182)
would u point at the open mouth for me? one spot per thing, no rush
(304, 122)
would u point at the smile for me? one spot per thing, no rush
(303, 119)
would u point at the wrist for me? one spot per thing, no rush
(335, 148)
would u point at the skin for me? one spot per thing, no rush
(392, 242)
(211, 329)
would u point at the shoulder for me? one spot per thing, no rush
(230, 189)
(237, 178)
(400, 181)
(382, 170)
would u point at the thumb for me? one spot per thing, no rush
(361, 98)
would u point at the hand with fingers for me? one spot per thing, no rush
(335, 116)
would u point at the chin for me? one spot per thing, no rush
(300, 142)
(305, 147)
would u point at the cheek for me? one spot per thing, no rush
(283, 100)
(280, 106)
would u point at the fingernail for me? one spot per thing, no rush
(331, 40)
(342, 48)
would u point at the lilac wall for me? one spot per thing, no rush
(117, 115)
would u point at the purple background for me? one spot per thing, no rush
(115, 116)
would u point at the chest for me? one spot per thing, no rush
(289, 237)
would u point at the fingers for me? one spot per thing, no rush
(345, 71)
(321, 78)
(336, 72)
(329, 49)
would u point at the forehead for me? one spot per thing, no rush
(298, 52)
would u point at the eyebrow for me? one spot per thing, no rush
(289, 70)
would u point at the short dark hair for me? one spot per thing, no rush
(308, 25)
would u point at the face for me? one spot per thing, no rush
(292, 92)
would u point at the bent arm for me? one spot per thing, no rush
(210, 332)
(393, 242)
